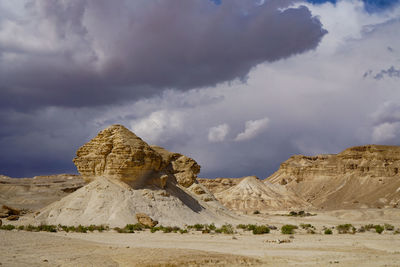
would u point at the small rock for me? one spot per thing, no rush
(145, 220)
(13, 218)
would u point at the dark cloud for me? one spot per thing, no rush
(390, 72)
(86, 52)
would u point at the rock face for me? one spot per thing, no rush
(251, 194)
(364, 176)
(183, 168)
(118, 153)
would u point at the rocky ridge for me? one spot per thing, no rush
(363, 176)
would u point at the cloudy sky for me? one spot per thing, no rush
(239, 85)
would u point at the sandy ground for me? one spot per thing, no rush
(20, 248)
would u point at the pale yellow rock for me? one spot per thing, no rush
(118, 153)
(364, 176)
(183, 168)
(144, 219)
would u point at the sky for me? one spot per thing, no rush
(238, 85)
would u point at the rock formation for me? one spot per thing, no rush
(364, 176)
(251, 194)
(119, 154)
(183, 168)
(127, 177)
(145, 220)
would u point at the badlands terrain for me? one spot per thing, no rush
(134, 204)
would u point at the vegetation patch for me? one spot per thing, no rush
(346, 229)
(288, 229)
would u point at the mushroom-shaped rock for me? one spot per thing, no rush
(118, 153)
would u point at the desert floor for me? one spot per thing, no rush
(21, 248)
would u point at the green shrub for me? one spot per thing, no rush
(241, 226)
(328, 231)
(7, 227)
(21, 227)
(47, 228)
(292, 213)
(183, 231)
(288, 229)
(262, 229)
(81, 229)
(379, 229)
(211, 227)
(346, 228)
(225, 229)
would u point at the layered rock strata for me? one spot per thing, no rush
(363, 176)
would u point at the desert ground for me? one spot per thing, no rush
(142, 248)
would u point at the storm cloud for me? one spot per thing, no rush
(237, 85)
(87, 53)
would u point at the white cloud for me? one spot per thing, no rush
(218, 133)
(253, 128)
(385, 132)
(159, 126)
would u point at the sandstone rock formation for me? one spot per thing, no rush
(251, 194)
(128, 177)
(118, 153)
(145, 220)
(183, 168)
(364, 176)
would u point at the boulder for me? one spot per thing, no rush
(13, 217)
(119, 154)
(7, 210)
(145, 220)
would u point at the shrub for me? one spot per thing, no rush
(226, 229)
(31, 228)
(328, 231)
(292, 213)
(288, 229)
(47, 228)
(21, 227)
(81, 229)
(183, 231)
(212, 227)
(241, 226)
(346, 228)
(256, 212)
(379, 229)
(389, 227)
(7, 227)
(262, 229)
(306, 226)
